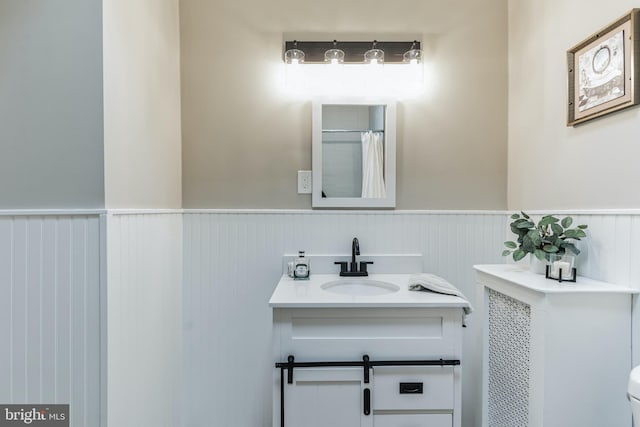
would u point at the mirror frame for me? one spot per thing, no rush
(388, 202)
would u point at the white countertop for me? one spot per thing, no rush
(308, 294)
(520, 275)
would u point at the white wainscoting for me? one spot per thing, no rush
(611, 253)
(50, 312)
(144, 319)
(50, 301)
(232, 262)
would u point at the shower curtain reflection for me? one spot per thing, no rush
(373, 165)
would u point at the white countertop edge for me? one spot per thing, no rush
(520, 275)
(287, 295)
(379, 304)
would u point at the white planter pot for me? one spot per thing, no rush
(535, 265)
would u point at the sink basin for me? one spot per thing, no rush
(359, 287)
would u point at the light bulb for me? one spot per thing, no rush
(334, 56)
(374, 56)
(413, 56)
(294, 56)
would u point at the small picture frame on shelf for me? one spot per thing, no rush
(603, 71)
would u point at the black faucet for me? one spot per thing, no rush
(353, 266)
(355, 250)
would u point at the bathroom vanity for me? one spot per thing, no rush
(365, 352)
(554, 354)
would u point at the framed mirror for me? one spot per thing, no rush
(354, 154)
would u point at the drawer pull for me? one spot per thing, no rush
(367, 401)
(411, 388)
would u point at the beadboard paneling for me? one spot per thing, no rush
(50, 313)
(144, 320)
(232, 262)
(611, 253)
(608, 253)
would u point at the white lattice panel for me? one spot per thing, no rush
(509, 361)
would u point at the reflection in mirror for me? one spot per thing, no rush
(352, 158)
(353, 151)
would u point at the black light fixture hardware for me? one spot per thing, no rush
(314, 52)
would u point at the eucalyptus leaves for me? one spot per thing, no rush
(551, 235)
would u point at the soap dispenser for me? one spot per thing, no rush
(301, 266)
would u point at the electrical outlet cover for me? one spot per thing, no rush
(304, 182)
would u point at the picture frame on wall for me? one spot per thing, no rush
(603, 71)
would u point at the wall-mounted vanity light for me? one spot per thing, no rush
(374, 56)
(294, 55)
(414, 55)
(353, 68)
(336, 52)
(334, 55)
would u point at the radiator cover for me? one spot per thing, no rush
(509, 341)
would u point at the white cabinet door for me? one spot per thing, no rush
(322, 397)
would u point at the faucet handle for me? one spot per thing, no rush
(343, 266)
(363, 266)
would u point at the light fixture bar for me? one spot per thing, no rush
(314, 51)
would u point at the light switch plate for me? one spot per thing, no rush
(304, 182)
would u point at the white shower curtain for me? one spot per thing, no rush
(373, 166)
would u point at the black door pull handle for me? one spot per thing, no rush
(367, 401)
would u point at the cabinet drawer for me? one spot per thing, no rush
(416, 388)
(413, 420)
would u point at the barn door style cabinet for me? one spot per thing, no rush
(345, 368)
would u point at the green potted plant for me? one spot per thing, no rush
(549, 236)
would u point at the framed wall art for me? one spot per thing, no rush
(603, 71)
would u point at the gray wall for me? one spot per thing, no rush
(51, 137)
(142, 155)
(243, 140)
(552, 166)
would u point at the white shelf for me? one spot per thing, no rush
(520, 275)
